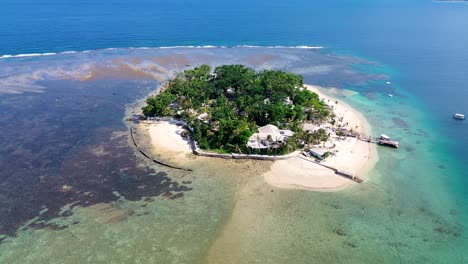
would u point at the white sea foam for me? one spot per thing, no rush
(279, 47)
(27, 55)
(175, 47)
(295, 47)
(162, 47)
(308, 47)
(40, 54)
(247, 46)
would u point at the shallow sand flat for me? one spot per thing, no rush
(353, 154)
(298, 173)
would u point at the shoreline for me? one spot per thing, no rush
(355, 157)
(167, 143)
(365, 128)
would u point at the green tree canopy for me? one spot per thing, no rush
(236, 100)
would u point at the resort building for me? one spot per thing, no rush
(318, 153)
(203, 117)
(288, 101)
(269, 136)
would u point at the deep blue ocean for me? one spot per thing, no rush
(424, 41)
(422, 45)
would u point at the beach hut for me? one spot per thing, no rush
(318, 153)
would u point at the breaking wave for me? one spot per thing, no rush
(8, 56)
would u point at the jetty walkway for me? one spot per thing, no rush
(337, 172)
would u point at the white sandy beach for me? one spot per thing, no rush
(167, 141)
(354, 156)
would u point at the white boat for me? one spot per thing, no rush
(388, 82)
(390, 95)
(459, 116)
(384, 137)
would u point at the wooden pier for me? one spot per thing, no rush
(389, 143)
(381, 141)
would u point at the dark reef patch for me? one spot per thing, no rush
(441, 225)
(409, 149)
(400, 114)
(350, 244)
(69, 146)
(340, 232)
(333, 205)
(371, 96)
(400, 123)
(446, 231)
(421, 132)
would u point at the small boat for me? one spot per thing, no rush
(459, 116)
(388, 82)
(390, 95)
(384, 137)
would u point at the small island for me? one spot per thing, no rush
(233, 111)
(237, 110)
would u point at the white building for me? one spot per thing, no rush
(204, 118)
(269, 136)
(288, 101)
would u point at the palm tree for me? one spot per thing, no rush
(238, 149)
(310, 138)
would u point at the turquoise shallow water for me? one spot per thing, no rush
(411, 211)
(414, 209)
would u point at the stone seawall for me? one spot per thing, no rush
(199, 152)
(202, 153)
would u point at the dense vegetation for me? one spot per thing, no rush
(234, 101)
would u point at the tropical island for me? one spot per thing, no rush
(235, 110)
(225, 109)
